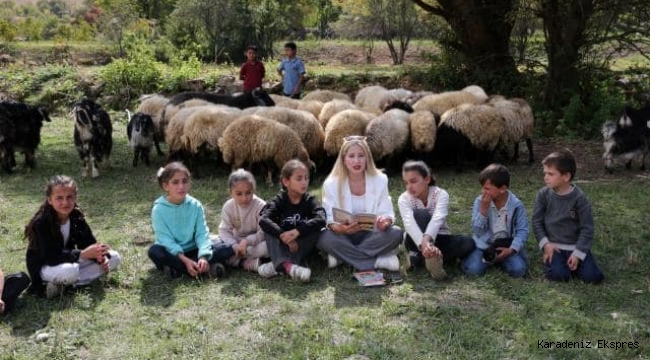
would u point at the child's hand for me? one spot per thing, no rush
(502, 254)
(293, 246)
(94, 251)
(289, 236)
(549, 249)
(104, 265)
(382, 223)
(429, 250)
(349, 229)
(486, 200)
(573, 263)
(202, 266)
(190, 266)
(240, 249)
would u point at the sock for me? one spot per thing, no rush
(287, 265)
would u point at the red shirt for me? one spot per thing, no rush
(252, 73)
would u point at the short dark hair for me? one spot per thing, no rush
(421, 168)
(563, 161)
(497, 174)
(252, 47)
(291, 45)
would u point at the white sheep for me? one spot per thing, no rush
(469, 128)
(204, 127)
(439, 103)
(325, 96)
(343, 124)
(400, 94)
(519, 122)
(388, 133)
(332, 108)
(303, 123)
(373, 99)
(285, 101)
(423, 129)
(255, 139)
(312, 106)
(416, 96)
(174, 130)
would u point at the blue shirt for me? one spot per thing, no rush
(515, 219)
(181, 228)
(293, 68)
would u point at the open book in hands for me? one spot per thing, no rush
(367, 221)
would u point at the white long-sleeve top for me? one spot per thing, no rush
(437, 206)
(377, 199)
(238, 223)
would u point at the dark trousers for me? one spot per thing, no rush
(587, 271)
(452, 246)
(161, 257)
(14, 285)
(280, 253)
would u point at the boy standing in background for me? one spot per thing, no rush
(252, 71)
(294, 72)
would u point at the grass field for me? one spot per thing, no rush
(140, 314)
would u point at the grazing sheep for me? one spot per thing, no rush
(343, 124)
(254, 98)
(154, 106)
(174, 131)
(439, 103)
(396, 104)
(285, 101)
(629, 138)
(388, 134)
(171, 110)
(416, 96)
(255, 139)
(519, 124)
(325, 96)
(303, 123)
(202, 130)
(468, 129)
(312, 106)
(374, 99)
(332, 108)
(93, 135)
(20, 129)
(423, 129)
(140, 132)
(400, 94)
(476, 91)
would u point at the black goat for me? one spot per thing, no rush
(140, 132)
(257, 97)
(628, 138)
(20, 130)
(93, 135)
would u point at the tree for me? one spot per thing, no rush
(115, 18)
(482, 31)
(327, 13)
(396, 19)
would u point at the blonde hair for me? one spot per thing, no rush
(340, 171)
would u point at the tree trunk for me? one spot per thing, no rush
(564, 28)
(482, 29)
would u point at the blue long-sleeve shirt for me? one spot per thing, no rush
(181, 228)
(516, 219)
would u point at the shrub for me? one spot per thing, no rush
(126, 79)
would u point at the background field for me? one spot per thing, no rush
(140, 314)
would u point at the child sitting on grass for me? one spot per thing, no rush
(563, 223)
(11, 286)
(62, 249)
(498, 217)
(292, 221)
(240, 218)
(182, 243)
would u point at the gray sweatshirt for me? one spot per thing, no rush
(565, 221)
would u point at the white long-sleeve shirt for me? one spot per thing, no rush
(437, 206)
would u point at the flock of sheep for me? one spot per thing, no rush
(452, 126)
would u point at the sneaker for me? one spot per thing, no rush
(217, 270)
(267, 270)
(434, 266)
(249, 264)
(387, 262)
(332, 262)
(300, 273)
(52, 290)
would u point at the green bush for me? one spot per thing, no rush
(127, 79)
(182, 70)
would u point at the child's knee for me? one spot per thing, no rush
(156, 252)
(473, 268)
(114, 261)
(517, 271)
(557, 273)
(66, 274)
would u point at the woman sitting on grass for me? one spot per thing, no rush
(356, 186)
(292, 221)
(182, 243)
(62, 249)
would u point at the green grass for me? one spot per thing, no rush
(140, 314)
